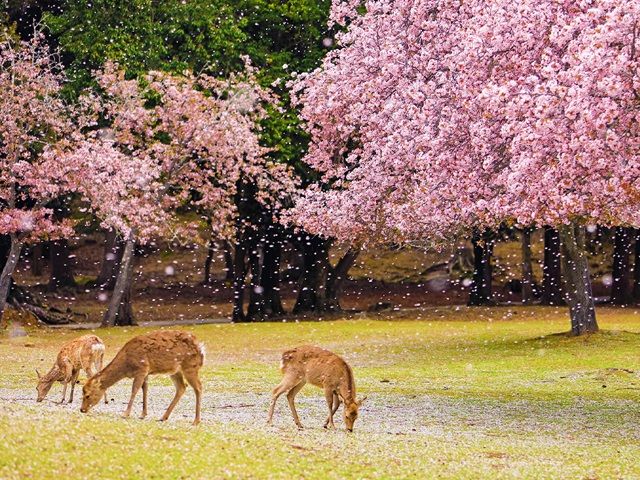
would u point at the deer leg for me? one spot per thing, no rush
(98, 365)
(192, 378)
(145, 388)
(291, 397)
(74, 379)
(138, 380)
(178, 381)
(64, 390)
(67, 376)
(287, 383)
(332, 402)
(336, 403)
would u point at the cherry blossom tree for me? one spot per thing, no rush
(436, 117)
(36, 129)
(174, 142)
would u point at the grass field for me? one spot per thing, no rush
(462, 393)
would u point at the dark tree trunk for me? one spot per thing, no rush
(311, 295)
(120, 311)
(5, 247)
(481, 288)
(110, 266)
(211, 251)
(263, 249)
(37, 264)
(337, 276)
(23, 299)
(527, 268)
(577, 280)
(270, 279)
(239, 276)
(213, 247)
(125, 315)
(636, 268)
(551, 270)
(621, 287)
(61, 265)
(255, 310)
(8, 269)
(227, 249)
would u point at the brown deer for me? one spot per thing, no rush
(83, 353)
(172, 352)
(323, 369)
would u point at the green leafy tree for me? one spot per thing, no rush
(281, 38)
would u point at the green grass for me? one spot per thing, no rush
(493, 393)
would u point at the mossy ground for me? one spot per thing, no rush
(460, 393)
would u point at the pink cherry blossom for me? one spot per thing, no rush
(36, 128)
(433, 117)
(176, 142)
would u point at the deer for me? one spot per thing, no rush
(324, 369)
(172, 352)
(82, 353)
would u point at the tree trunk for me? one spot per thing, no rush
(111, 261)
(551, 270)
(7, 271)
(211, 251)
(263, 249)
(218, 246)
(636, 269)
(577, 281)
(527, 268)
(125, 317)
(228, 260)
(311, 294)
(24, 299)
(621, 286)
(270, 280)
(336, 278)
(239, 276)
(61, 265)
(481, 289)
(120, 312)
(255, 310)
(5, 248)
(36, 260)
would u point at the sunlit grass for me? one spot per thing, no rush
(511, 396)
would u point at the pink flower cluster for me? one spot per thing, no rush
(435, 116)
(173, 142)
(37, 129)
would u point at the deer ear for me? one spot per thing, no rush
(361, 401)
(38, 373)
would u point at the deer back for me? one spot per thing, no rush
(319, 367)
(163, 351)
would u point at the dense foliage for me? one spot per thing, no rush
(438, 116)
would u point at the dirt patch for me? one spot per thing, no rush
(414, 416)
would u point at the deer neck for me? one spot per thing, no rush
(347, 393)
(110, 374)
(53, 375)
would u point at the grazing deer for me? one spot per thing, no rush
(323, 369)
(83, 353)
(171, 352)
